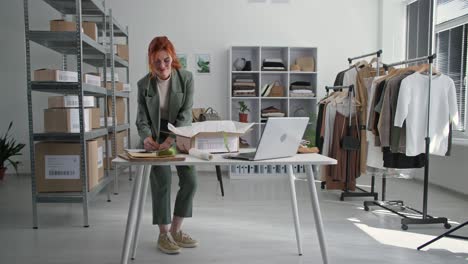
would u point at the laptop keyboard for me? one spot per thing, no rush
(248, 154)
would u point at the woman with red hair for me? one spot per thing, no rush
(165, 95)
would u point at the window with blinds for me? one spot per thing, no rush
(417, 29)
(450, 44)
(451, 47)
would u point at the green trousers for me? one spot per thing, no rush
(161, 178)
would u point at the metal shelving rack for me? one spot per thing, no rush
(86, 51)
(116, 29)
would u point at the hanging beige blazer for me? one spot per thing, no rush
(180, 103)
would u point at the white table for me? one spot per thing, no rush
(142, 178)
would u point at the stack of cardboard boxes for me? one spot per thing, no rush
(63, 114)
(58, 164)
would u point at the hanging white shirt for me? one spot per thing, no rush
(412, 107)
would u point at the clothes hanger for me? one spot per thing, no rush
(328, 98)
(361, 64)
(424, 68)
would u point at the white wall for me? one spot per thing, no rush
(450, 172)
(339, 28)
(392, 30)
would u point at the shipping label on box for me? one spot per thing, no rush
(70, 101)
(109, 76)
(102, 121)
(100, 160)
(66, 76)
(74, 121)
(216, 144)
(127, 87)
(92, 79)
(65, 167)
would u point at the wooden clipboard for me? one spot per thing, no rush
(165, 158)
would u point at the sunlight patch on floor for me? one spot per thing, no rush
(410, 240)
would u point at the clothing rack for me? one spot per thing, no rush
(377, 53)
(346, 192)
(425, 218)
(363, 193)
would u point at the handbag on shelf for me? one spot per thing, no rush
(196, 113)
(277, 90)
(209, 114)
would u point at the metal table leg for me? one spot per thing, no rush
(141, 206)
(132, 211)
(317, 214)
(297, 225)
(220, 178)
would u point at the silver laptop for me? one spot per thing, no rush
(281, 138)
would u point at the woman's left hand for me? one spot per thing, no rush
(166, 144)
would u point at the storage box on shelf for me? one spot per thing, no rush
(67, 120)
(58, 166)
(120, 109)
(121, 142)
(275, 70)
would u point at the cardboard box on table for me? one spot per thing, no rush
(210, 136)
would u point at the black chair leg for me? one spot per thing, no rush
(220, 179)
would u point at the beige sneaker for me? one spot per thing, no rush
(167, 245)
(184, 240)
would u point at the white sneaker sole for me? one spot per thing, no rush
(186, 245)
(168, 251)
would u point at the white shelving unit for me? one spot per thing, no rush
(291, 106)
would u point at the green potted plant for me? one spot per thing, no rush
(9, 148)
(243, 109)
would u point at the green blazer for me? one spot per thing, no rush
(180, 103)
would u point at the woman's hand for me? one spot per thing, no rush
(150, 144)
(166, 144)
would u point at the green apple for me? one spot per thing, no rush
(168, 152)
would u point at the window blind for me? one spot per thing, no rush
(451, 46)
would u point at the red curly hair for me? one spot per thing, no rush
(159, 44)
